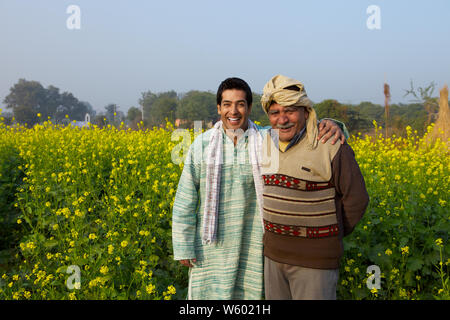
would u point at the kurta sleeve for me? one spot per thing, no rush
(184, 217)
(349, 183)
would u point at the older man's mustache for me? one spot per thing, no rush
(285, 126)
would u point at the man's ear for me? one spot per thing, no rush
(306, 114)
(218, 109)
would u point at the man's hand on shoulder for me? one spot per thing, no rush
(328, 129)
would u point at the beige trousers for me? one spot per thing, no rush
(288, 282)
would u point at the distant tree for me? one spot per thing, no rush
(146, 102)
(197, 106)
(356, 123)
(113, 114)
(413, 114)
(6, 118)
(27, 99)
(370, 111)
(165, 106)
(89, 109)
(159, 106)
(133, 114)
(52, 101)
(100, 120)
(424, 96)
(331, 108)
(75, 109)
(257, 113)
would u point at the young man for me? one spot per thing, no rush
(314, 198)
(217, 223)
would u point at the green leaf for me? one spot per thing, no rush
(403, 241)
(80, 262)
(349, 244)
(361, 293)
(6, 255)
(414, 263)
(49, 244)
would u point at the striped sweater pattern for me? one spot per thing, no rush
(299, 208)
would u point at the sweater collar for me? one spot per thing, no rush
(293, 141)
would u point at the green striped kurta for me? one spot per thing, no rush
(232, 268)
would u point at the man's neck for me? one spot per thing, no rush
(235, 134)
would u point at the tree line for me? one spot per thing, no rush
(31, 103)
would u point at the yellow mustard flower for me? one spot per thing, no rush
(104, 270)
(150, 288)
(439, 242)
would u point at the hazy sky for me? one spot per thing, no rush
(126, 47)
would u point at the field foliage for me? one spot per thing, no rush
(101, 200)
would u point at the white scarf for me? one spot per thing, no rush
(213, 173)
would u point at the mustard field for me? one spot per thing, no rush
(86, 214)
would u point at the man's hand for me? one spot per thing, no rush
(328, 128)
(187, 262)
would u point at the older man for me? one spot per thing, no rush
(312, 199)
(217, 221)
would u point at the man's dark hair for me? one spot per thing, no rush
(235, 83)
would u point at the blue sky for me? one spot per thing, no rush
(126, 47)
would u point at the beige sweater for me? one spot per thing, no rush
(314, 199)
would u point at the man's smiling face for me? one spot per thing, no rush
(288, 120)
(234, 110)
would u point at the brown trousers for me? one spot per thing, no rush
(288, 282)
